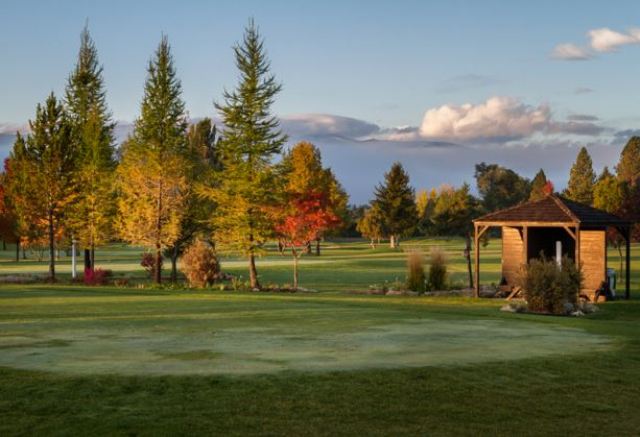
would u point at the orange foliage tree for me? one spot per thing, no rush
(306, 218)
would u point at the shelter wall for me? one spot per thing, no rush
(512, 254)
(593, 257)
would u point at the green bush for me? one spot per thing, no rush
(437, 269)
(200, 264)
(549, 288)
(415, 272)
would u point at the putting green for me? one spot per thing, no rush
(274, 339)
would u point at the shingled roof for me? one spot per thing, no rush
(557, 209)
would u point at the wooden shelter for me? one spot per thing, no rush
(552, 226)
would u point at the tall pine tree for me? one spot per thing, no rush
(250, 139)
(92, 129)
(395, 199)
(152, 173)
(582, 178)
(538, 186)
(628, 169)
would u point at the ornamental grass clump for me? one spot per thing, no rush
(549, 288)
(416, 279)
(437, 269)
(200, 264)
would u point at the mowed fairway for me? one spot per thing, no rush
(145, 361)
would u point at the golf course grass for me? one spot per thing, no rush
(145, 361)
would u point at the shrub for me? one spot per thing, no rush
(437, 269)
(415, 272)
(550, 289)
(96, 276)
(200, 264)
(148, 262)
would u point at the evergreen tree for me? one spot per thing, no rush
(92, 130)
(49, 159)
(204, 164)
(152, 174)
(628, 168)
(538, 186)
(251, 137)
(581, 179)
(500, 187)
(395, 199)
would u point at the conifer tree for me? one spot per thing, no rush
(628, 169)
(581, 179)
(49, 159)
(250, 139)
(204, 162)
(538, 186)
(395, 199)
(92, 130)
(152, 173)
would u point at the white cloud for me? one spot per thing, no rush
(607, 40)
(570, 52)
(498, 119)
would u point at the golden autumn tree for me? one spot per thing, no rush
(91, 215)
(151, 176)
(244, 191)
(303, 172)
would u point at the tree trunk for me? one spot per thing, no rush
(17, 249)
(174, 263)
(52, 248)
(318, 247)
(308, 248)
(158, 269)
(253, 273)
(373, 243)
(295, 270)
(468, 256)
(93, 256)
(393, 241)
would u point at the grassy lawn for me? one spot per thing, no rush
(142, 361)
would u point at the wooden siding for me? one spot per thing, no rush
(593, 256)
(512, 254)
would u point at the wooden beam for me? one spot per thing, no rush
(483, 229)
(476, 254)
(570, 232)
(531, 224)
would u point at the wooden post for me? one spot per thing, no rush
(627, 273)
(525, 245)
(476, 254)
(577, 255)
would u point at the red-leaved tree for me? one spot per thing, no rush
(304, 221)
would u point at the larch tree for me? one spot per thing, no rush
(538, 185)
(49, 159)
(582, 178)
(251, 137)
(92, 129)
(370, 225)
(395, 199)
(152, 175)
(628, 169)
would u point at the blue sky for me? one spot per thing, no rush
(540, 78)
